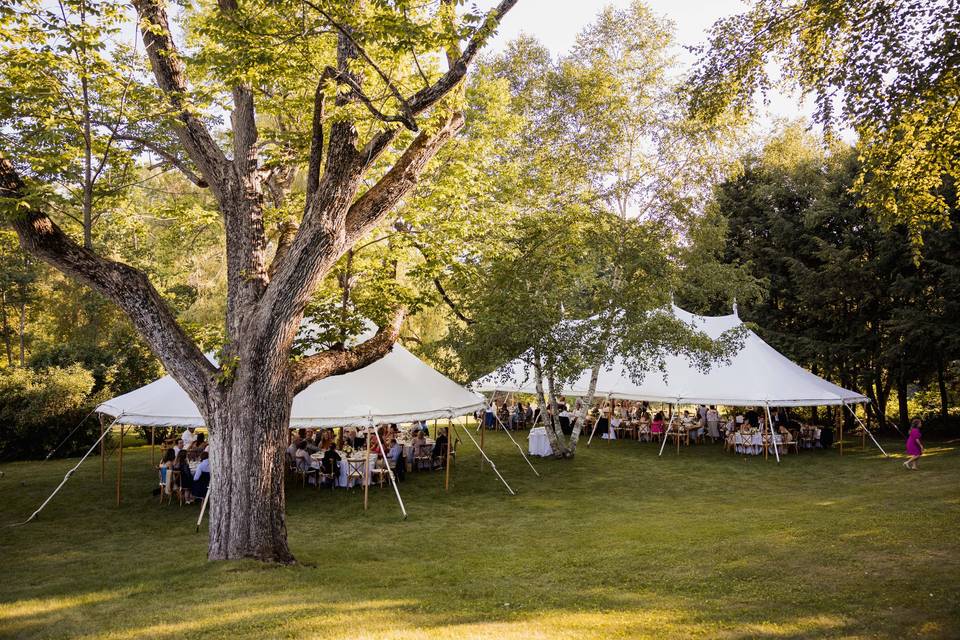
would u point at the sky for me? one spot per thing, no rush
(556, 24)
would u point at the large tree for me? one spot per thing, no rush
(890, 70)
(379, 105)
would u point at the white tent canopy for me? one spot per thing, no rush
(397, 388)
(757, 375)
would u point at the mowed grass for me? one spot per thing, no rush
(617, 543)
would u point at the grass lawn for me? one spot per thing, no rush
(616, 543)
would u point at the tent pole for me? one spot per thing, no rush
(120, 467)
(203, 507)
(773, 436)
(446, 470)
(366, 473)
(103, 461)
(840, 431)
(492, 466)
(153, 447)
(393, 481)
(866, 430)
(666, 434)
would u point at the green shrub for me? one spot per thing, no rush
(38, 408)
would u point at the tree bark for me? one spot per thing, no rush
(587, 403)
(563, 451)
(248, 439)
(555, 445)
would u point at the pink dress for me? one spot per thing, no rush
(656, 426)
(913, 443)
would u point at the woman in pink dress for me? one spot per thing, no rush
(656, 427)
(914, 446)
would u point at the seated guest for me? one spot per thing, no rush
(395, 451)
(439, 452)
(178, 447)
(186, 476)
(419, 440)
(201, 477)
(331, 461)
(166, 464)
(304, 461)
(188, 437)
(656, 427)
(292, 448)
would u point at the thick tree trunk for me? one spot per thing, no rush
(249, 428)
(942, 384)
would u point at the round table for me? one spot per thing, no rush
(539, 444)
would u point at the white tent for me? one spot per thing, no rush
(397, 388)
(757, 375)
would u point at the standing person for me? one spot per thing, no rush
(489, 417)
(188, 436)
(914, 446)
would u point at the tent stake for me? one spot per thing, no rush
(393, 481)
(492, 466)
(886, 455)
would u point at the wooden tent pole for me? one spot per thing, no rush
(153, 447)
(446, 480)
(366, 473)
(120, 467)
(840, 430)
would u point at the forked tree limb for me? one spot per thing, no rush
(170, 73)
(127, 287)
(334, 362)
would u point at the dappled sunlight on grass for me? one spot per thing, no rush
(616, 543)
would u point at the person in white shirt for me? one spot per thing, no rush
(304, 460)
(177, 448)
(188, 437)
(203, 467)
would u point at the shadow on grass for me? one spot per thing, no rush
(616, 543)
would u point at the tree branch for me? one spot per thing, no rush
(428, 96)
(369, 208)
(171, 78)
(128, 288)
(406, 116)
(334, 362)
(168, 158)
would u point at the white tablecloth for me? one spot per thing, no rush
(753, 444)
(539, 444)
